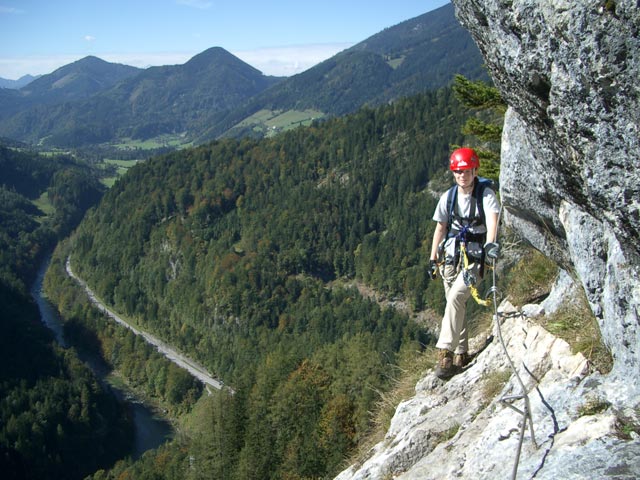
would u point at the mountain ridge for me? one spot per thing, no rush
(77, 80)
(416, 55)
(153, 101)
(398, 61)
(19, 83)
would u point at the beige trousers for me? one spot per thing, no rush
(453, 331)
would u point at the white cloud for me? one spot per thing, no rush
(10, 10)
(146, 60)
(277, 61)
(89, 38)
(201, 4)
(14, 68)
(289, 60)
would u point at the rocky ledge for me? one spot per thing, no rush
(467, 428)
(570, 185)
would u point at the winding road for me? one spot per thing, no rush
(179, 359)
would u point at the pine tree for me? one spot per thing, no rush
(486, 124)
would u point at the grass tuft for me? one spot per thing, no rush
(447, 434)
(593, 406)
(627, 429)
(493, 384)
(531, 278)
(410, 370)
(576, 324)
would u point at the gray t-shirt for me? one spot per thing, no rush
(489, 202)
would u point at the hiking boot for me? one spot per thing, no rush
(461, 360)
(445, 368)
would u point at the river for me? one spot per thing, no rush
(151, 431)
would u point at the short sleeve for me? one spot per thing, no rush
(441, 214)
(490, 201)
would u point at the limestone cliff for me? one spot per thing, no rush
(570, 183)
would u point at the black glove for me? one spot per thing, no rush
(433, 269)
(492, 250)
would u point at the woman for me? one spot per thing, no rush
(464, 229)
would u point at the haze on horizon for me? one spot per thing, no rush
(278, 38)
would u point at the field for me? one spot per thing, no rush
(128, 144)
(175, 141)
(271, 122)
(121, 167)
(44, 205)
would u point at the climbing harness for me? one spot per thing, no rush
(461, 256)
(472, 229)
(508, 399)
(469, 278)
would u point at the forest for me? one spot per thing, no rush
(246, 254)
(56, 420)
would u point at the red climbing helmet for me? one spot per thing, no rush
(464, 159)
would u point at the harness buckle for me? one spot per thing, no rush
(468, 277)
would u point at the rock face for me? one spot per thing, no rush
(570, 178)
(461, 429)
(570, 183)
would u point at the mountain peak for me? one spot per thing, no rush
(19, 83)
(79, 79)
(94, 65)
(217, 57)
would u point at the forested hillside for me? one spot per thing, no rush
(417, 55)
(59, 185)
(80, 79)
(95, 108)
(55, 420)
(76, 81)
(242, 252)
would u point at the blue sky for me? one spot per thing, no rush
(277, 37)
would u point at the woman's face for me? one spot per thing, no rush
(464, 178)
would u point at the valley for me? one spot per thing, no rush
(236, 225)
(150, 430)
(211, 226)
(179, 359)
